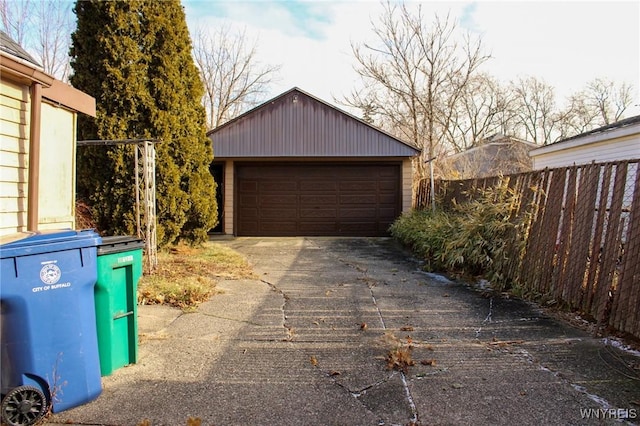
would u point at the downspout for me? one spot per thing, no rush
(34, 158)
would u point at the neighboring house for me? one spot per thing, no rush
(614, 142)
(298, 166)
(493, 156)
(37, 144)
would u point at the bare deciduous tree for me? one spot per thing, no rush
(54, 25)
(610, 101)
(577, 117)
(15, 18)
(414, 75)
(232, 77)
(600, 103)
(478, 114)
(422, 83)
(43, 28)
(535, 110)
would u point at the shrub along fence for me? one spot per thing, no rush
(581, 238)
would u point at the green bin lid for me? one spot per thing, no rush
(118, 244)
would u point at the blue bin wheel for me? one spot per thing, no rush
(23, 406)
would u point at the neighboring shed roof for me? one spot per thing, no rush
(297, 124)
(497, 154)
(497, 140)
(9, 46)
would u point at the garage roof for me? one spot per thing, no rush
(297, 124)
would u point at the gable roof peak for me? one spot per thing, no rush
(314, 98)
(298, 124)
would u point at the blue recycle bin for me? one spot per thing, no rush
(49, 347)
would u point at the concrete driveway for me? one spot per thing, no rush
(312, 342)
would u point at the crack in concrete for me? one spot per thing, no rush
(407, 391)
(412, 404)
(285, 300)
(488, 318)
(358, 393)
(331, 375)
(528, 357)
(375, 303)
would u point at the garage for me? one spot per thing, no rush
(298, 166)
(317, 199)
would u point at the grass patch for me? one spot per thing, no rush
(187, 276)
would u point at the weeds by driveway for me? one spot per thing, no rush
(186, 276)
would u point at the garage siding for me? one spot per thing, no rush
(297, 125)
(313, 199)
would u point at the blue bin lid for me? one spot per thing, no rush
(49, 241)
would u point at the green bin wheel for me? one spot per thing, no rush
(23, 406)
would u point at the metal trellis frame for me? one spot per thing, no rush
(145, 184)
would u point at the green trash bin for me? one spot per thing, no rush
(119, 269)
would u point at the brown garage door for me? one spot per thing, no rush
(317, 199)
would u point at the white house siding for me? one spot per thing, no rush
(617, 144)
(14, 154)
(56, 198)
(610, 150)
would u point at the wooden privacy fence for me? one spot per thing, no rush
(581, 236)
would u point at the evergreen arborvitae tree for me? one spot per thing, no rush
(135, 58)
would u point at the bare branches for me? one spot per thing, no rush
(475, 116)
(232, 77)
(54, 28)
(15, 18)
(538, 119)
(414, 75)
(535, 105)
(609, 101)
(422, 81)
(43, 28)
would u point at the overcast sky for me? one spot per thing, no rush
(565, 43)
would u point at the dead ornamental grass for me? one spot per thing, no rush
(187, 276)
